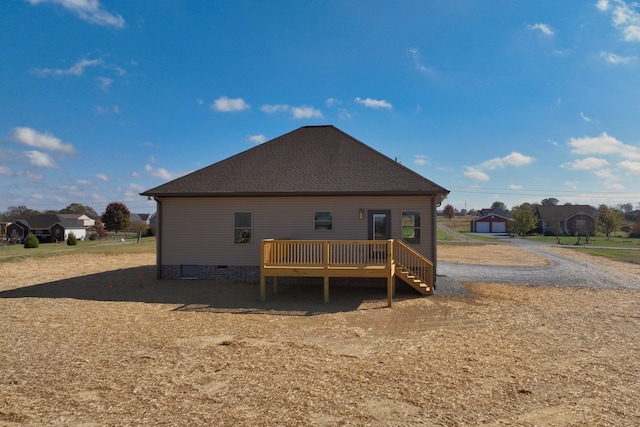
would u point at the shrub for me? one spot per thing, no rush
(72, 240)
(31, 241)
(93, 236)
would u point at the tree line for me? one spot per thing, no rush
(609, 219)
(116, 216)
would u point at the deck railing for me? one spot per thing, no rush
(340, 258)
(407, 258)
(321, 253)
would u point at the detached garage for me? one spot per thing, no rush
(494, 221)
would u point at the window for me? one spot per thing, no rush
(411, 227)
(242, 227)
(323, 221)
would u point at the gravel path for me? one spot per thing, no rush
(562, 271)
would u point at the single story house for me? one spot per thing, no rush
(315, 183)
(567, 220)
(47, 228)
(491, 221)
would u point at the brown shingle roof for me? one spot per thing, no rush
(563, 212)
(311, 160)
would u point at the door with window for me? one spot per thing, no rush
(379, 229)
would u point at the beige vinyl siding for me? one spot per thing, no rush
(200, 230)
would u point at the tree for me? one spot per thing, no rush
(463, 212)
(116, 217)
(31, 241)
(19, 212)
(551, 201)
(499, 205)
(609, 220)
(523, 219)
(625, 207)
(449, 212)
(77, 208)
(472, 212)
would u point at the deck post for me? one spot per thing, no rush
(262, 279)
(325, 256)
(262, 288)
(326, 289)
(391, 288)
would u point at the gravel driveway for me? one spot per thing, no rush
(562, 271)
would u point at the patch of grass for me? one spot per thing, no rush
(623, 255)
(441, 235)
(618, 242)
(12, 253)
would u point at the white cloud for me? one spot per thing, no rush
(257, 139)
(630, 166)
(305, 112)
(31, 176)
(344, 114)
(84, 182)
(374, 103)
(332, 101)
(571, 184)
(614, 59)
(228, 105)
(588, 163)
(417, 60)
(88, 10)
(38, 158)
(605, 174)
(45, 141)
(102, 177)
(420, 159)
(136, 174)
(512, 159)
(603, 145)
(475, 173)
(37, 196)
(76, 69)
(515, 187)
(624, 16)
(276, 108)
(4, 170)
(302, 112)
(105, 83)
(585, 118)
(162, 173)
(543, 28)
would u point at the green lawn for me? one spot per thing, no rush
(624, 255)
(617, 241)
(11, 253)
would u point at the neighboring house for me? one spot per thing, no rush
(140, 217)
(81, 219)
(47, 228)
(567, 219)
(491, 221)
(314, 183)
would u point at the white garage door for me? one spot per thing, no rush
(482, 227)
(499, 227)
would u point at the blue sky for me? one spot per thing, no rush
(494, 100)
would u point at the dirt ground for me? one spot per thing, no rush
(110, 345)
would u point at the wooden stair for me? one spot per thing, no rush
(414, 281)
(413, 268)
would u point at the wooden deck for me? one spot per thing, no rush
(338, 258)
